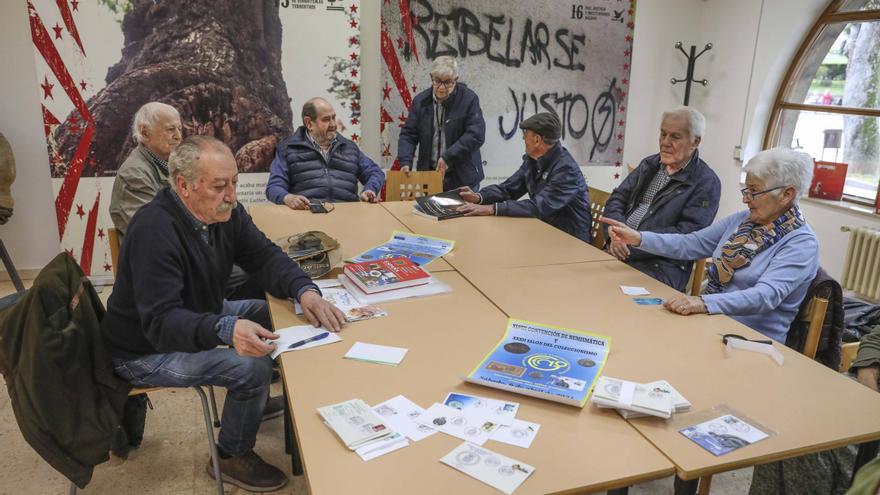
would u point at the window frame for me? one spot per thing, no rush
(774, 124)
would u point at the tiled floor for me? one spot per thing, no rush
(174, 453)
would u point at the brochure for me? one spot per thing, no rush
(498, 471)
(348, 304)
(544, 361)
(502, 411)
(723, 434)
(421, 249)
(400, 414)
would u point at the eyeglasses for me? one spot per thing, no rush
(740, 337)
(447, 83)
(749, 195)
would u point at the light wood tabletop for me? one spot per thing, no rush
(447, 335)
(357, 226)
(499, 241)
(808, 406)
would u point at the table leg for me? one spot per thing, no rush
(10, 268)
(290, 446)
(618, 491)
(685, 487)
(705, 485)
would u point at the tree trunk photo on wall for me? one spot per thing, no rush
(862, 134)
(217, 62)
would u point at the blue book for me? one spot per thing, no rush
(544, 361)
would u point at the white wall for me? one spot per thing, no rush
(753, 40)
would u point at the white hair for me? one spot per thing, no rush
(782, 167)
(148, 115)
(444, 66)
(696, 121)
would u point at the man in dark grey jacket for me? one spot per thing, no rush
(556, 187)
(673, 191)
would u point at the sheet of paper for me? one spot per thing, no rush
(326, 283)
(471, 425)
(502, 411)
(634, 291)
(520, 433)
(373, 353)
(493, 469)
(382, 446)
(400, 414)
(747, 345)
(648, 301)
(348, 304)
(723, 434)
(290, 335)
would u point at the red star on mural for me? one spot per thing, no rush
(355, 105)
(622, 94)
(386, 92)
(402, 117)
(353, 9)
(625, 81)
(74, 4)
(355, 137)
(626, 53)
(353, 23)
(353, 41)
(415, 88)
(354, 73)
(82, 84)
(386, 151)
(616, 176)
(354, 121)
(625, 66)
(620, 122)
(619, 150)
(354, 87)
(353, 56)
(107, 267)
(628, 38)
(617, 164)
(630, 24)
(57, 30)
(80, 211)
(620, 136)
(399, 43)
(47, 88)
(101, 233)
(622, 108)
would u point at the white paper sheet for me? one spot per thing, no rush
(382, 446)
(634, 291)
(471, 425)
(520, 433)
(345, 302)
(496, 470)
(373, 353)
(290, 335)
(400, 414)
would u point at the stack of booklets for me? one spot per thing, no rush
(544, 361)
(442, 206)
(633, 400)
(372, 282)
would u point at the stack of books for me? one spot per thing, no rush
(633, 400)
(442, 206)
(372, 282)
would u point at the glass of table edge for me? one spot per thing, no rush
(602, 433)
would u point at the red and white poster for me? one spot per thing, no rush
(239, 70)
(568, 57)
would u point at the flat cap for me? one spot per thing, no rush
(545, 124)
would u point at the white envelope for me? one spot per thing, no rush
(291, 335)
(496, 470)
(634, 291)
(503, 412)
(469, 424)
(373, 353)
(519, 433)
(400, 414)
(382, 446)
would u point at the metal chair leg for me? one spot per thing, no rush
(214, 407)
(215, 459)
(10, 268)
(72, 490)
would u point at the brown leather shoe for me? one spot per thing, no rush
(250, 472)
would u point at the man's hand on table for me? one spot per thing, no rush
(296, 202)
(471, 210)
(320, 313)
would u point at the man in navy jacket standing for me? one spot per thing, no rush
(446, 123)
(673, 191)
(318, 164)
(167, 317)
(556, 187)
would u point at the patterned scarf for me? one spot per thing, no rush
(746, 242)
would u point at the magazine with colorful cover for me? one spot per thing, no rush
(544, 361)
(421, 249)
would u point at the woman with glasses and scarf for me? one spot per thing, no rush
(764, 258)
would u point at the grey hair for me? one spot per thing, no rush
(184, 160)
(444, 66)
(310, 110)
(696, 121)
(782, 167)
(147, 115)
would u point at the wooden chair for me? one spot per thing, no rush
(598, 198)
(399, 187)
(699, 271)
(815, 316)
(848, 353)
(114, 240)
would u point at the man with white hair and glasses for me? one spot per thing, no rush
(167, 317)
(673, 191)
(446, 123)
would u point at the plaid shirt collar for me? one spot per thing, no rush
(161, 164)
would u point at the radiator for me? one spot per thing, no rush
(861, 272)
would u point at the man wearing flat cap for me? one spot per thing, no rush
(556, 187)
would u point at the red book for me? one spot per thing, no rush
(828, 180)
(386, 274)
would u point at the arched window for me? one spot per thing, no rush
(829, 102)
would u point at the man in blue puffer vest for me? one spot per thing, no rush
(317, 164)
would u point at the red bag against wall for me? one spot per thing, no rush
(828, 180)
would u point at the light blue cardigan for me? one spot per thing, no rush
(766, 294)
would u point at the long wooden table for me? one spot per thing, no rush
(510, 267)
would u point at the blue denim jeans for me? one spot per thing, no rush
(245, 378)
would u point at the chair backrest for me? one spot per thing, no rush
(815, 317)
(848, 354)
(817, 330)
(697, 275)
(400, 187)
(598, 198)
(113, 239)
